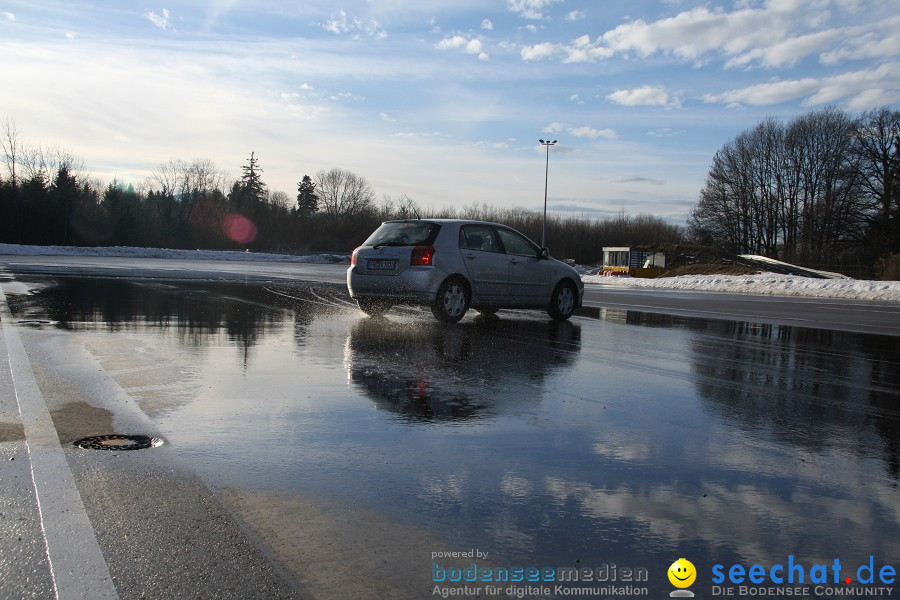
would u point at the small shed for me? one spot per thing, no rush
(636, 262)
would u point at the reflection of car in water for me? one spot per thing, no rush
(428, 372)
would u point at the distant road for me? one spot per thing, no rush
(174, 268)
(861, 316)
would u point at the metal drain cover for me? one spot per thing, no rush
(118, 442)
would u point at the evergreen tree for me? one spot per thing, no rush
(307, 200)
(251, 181)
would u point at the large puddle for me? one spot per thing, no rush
(619, 438)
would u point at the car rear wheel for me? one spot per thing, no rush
(562, 303)
(374, 307)
(451, 302)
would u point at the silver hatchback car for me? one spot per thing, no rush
(452, 265)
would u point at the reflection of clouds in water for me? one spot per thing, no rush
(837, 469)
(622, 446)
(505, 532)
(756, 523)
(443, 490)
(514, 486)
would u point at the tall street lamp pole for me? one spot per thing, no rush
(546, 174)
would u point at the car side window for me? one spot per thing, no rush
(477, 237)
(517, 244)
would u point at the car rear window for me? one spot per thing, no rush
(404, 233)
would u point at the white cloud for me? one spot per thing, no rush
(579, 50)
(764, 94)
(859, 89)
(645, 96)
(788, 52)
(8, 16)
(590, 132)
(640, 179)
(530, 9)
(861, 43)
(539, 51)
(341, 23)
(664, 132)
(161, 21)
(487, 25)
(776, 35)
(338, 23)
(691, 34)
(467, 45)
(493, 145)
(554, 128)
(575, 15)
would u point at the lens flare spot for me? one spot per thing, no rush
(239, 228)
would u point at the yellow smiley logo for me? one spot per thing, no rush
(682, 573)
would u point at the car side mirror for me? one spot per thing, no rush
(545, 254)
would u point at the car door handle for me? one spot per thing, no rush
(514, 261)
(470, 256)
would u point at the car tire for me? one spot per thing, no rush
(562, 302)
(374, 307)
(451, 301)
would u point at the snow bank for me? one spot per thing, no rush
(763, 283)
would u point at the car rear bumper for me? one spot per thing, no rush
(416, 284)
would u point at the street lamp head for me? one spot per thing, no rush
(542, 141)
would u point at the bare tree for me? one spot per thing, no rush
(785, 191)
(343, 193)
(10, 145)
(877, 149)
(44, 162)
(168, 177)
(280, 199)
(202, 176)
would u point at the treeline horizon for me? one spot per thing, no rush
(822, 190)
(46, 198)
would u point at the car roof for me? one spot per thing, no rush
(449, 222)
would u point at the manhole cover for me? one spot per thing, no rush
(118, 442)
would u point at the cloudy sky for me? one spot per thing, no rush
(441, 100)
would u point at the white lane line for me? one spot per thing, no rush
(77, 566)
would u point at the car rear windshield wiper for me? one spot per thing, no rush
(383, 244)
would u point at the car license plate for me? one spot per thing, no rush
(382, 265)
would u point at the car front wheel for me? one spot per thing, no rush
(451, 302)
(562, 303)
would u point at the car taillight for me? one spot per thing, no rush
(422, 256)
(353, 257)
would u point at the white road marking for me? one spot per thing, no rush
(77, 566)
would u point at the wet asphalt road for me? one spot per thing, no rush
(313, 451)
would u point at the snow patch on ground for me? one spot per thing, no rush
(130, 252)
(763, 283)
